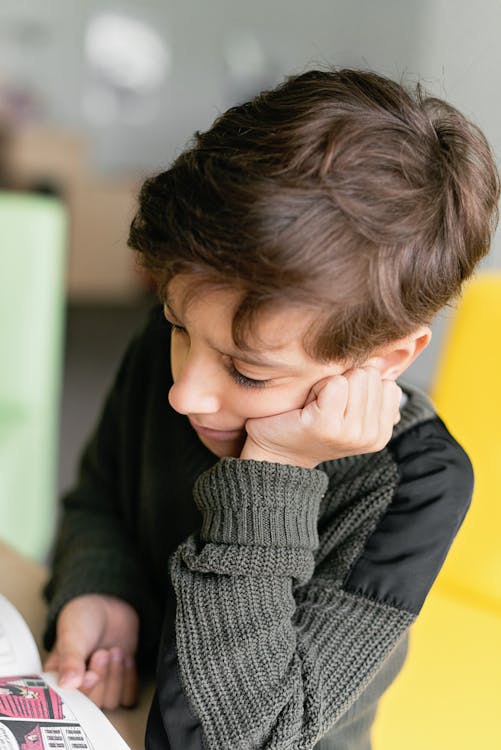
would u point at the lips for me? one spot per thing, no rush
(214, 429)
(216, 434)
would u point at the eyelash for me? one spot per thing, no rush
(234, 373)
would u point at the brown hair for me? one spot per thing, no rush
(340, 191)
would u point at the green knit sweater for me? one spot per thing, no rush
(273, 596)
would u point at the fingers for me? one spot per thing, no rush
(327, 397)
(74, 645)
(111, 679)
(374, 413)
(70, 662)
(98, 666)
(372, 407)
(114, 683)
(52, 662)
(390, 402)
(364, 398)
(129, 691)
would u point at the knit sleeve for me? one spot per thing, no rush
(94, 550)
(273, 645)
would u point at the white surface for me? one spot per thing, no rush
(100, 732)
(18, 652)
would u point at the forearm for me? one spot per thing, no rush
(236, 638)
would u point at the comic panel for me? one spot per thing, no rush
(39, 735)
(30, 697)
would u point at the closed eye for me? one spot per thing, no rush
(234, 373)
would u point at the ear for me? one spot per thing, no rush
(393, 359)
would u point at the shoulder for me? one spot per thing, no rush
(431, 496)
(428, 452)
(423, 447)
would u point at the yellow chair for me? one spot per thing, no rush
(448, 695)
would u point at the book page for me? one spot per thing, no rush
(35, 713)
(18, 651)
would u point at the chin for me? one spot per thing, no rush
(222, 449)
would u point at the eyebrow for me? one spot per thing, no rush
(242, 356)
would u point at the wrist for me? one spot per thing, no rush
(252, 452)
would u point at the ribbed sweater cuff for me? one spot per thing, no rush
(261, 503)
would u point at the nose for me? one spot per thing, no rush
(196, 390)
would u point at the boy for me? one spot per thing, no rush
(267, 511)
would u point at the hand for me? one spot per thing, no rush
(94, 651)
(343, 415)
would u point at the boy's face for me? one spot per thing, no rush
(206, 368)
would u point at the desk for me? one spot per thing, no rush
(21, 581)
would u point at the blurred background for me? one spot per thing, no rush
(96, 95)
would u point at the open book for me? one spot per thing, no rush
(36, 714)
